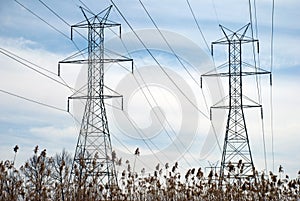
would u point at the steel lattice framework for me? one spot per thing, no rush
(237, 159)
(93, 154)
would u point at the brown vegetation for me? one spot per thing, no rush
(44, 178)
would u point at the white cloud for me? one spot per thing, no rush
(28, 37)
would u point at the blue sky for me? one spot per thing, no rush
(28, 124)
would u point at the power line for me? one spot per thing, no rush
(156, 61)
(57, 15)
(54, 13)
(156, 115)
(22, 61)
(148, 101)
(174, 55)
(21, 58)
(255, 18)
(172, 129)
(33, 101)
(215, 10)
(134, 126)
(271, 89)
(209, 50)
(257, 78)
(49, 24)
(84, 5)
(253, 50)
(149, 91)
(53, 27)
(41, 19)
(177, 59)
(168, 44)
(198, 26)
(18, 59)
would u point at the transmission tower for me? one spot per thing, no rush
(93, 155)
(236, 159)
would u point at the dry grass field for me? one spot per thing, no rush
(44, 178)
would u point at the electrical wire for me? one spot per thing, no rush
(218, 81)
(84, 5)
(198, 26)
(141, 133)
(54, 28)
(257, 78)
(215, 11)
(64, 83)
(166, 41)
(255, 19)
(18, 59)
(156, 61)
(54, 12)
(203, 37)
(254, 53)
(259, 87)
(64, 21)
(21, 58)
(22, 61)
(271, 89)
(33, 101)
(160, 65)
(156, 115)
(202, 92)
(172, 129)
(148, 101)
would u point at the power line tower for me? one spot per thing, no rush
(94, 157)
(237, 159)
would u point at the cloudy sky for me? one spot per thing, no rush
(33, 32)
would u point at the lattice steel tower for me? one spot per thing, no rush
(237, 159)
(93, 154)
